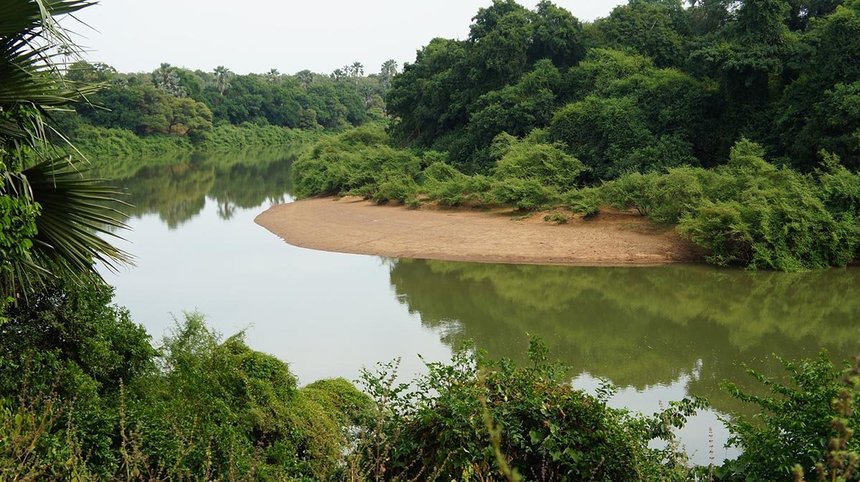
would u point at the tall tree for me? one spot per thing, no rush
(387, 72)
(222, 78)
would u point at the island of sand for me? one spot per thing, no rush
(352, 225)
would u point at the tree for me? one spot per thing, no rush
(305, 78)
(44, 189)
(650, 27)
(166, 79)
(273, 75)
(387, 72)
(222, 78)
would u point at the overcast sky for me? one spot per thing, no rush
(289, 35)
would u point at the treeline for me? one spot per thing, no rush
(735, 120)
(87, 396)
(177, 102)
(653, 85)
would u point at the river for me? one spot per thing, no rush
(658, 333)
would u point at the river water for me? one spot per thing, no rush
(658, 333)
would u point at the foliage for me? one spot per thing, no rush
(761, 216)
(65, 355)
(180, 102)
(440, 427)
(85, 394)
(807, 425)
(679, 85)
(749, 212)
(57, 218)
(257, 422)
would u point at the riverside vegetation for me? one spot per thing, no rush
(86, 395)
(735, 121)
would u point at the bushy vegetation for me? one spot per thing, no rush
(805, 426)
(659, 108)
(653, 85)
(112, 146)
(477, 419)
(530, 173)
(745, 212)
(750, 212)
(179, 102)
(85, 394)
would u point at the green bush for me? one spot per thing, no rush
(357, 161)
(586, 201)
(85, 395)
(524, 194)
(444, 427)
(449, 187)
(546, 163)
(748, 212)
(760, 216)
(802, 423)
(68, 346)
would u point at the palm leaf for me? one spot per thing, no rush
(78, 215)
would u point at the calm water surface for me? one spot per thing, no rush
(659, 333)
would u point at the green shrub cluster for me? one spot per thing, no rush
(476, 419)
(805, 425)
(86, 395)
(750, 212)
(103, 145)
(530, 173)
(747, 212)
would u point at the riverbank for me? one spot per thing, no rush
(352, 225)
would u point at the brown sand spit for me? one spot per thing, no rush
(351, 225)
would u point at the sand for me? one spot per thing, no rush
(351, 225)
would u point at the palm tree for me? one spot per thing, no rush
(222, 78)
(62, 216)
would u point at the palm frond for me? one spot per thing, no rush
(77, 214)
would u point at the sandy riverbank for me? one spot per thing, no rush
(351, 225)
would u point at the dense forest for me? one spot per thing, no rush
(666, 109)
(735, 121)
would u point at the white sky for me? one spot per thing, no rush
(289, 35)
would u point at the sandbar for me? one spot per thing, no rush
(353, 225)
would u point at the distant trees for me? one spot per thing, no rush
(387, 72)
(180, 102)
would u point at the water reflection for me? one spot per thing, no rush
(177, 189)
(640, 327)
(659, 333)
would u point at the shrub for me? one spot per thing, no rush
(84, 396)
(524, 194)
(444, 427)
(450, 187)
(545, 163)
(761, 216)
(796, 423)
(556, 218)
(586, 201)
(358, 161)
